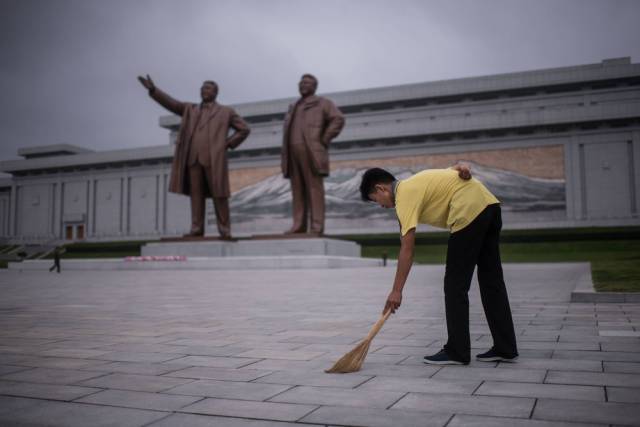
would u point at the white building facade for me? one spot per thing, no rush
(559, 147)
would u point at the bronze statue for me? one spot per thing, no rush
(199, 167)
(309, 126)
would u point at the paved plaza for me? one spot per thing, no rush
(248, 348)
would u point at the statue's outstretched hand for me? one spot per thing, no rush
(147, 82)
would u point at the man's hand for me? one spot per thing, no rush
(464, 171)
(147, 82)
(393, 302)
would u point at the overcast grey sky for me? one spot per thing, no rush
(68, 67)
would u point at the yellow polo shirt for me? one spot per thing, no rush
(439, 197)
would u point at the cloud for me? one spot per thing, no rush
(69, 67)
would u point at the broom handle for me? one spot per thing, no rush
(378, 325)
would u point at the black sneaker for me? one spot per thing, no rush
(494, 356)
(441, 358)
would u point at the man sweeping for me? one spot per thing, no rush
(450, 198)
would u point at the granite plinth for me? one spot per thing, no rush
(206, 263)
(254, 248)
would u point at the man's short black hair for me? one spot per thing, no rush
(371, 178)
(211, 82)
(312, 77)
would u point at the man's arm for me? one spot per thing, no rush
(162, 98)
(335, 122)
(241, 130)
(405, 260)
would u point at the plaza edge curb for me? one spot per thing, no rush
(585, 292)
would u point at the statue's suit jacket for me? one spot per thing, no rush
(218, 121)
(322, 121)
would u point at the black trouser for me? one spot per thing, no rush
(477, 244)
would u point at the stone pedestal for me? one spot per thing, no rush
(320, 246)
(208, 254)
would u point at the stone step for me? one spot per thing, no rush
(254, 248)
(206, 263)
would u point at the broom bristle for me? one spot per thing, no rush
(352, 361)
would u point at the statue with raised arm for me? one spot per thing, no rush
(309, 126)
(200, 168)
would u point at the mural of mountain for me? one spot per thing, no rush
(267, 204)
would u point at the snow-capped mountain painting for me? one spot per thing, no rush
(265, 207)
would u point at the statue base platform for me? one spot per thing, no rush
(204, 263)
(214, 254)
(261, 246)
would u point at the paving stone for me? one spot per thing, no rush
(550, 391)
(63, 363)
(419, 361)
(623, 394)
(135, 382)
(44, 391)
(6, 369)
(620, 332)
(229, 389)
(14, 359)
(621, 346)
(404, 350)
(314, 379)
(545, 345)
(407, 342)
(401, 371)
(593, 378)
(214, 361)
(622, 367)
(482, 421)
(142, 348)
(339, 397)
(473, 405)
(63, 414)
(611, 356)
(208, 342)
(79, 353)
(388, 359)
(201, 372)
(122, 356)
(555, 364)
(583, 411)
(139, 399)
(310, 339)
(250, 409)
(425, 385)
(191, 420)
(11, 404)
(318, 365)
(209, 351)
(51, 376)
(375, 417)
(468, 373)
(81, 343)
(281, 346)
(140, 368)
(281, 354)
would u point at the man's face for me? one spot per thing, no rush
(307, 86)
(383, 196)
(208, 92)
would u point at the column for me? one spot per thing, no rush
(13, 211)
(635, 170)
(91, 208)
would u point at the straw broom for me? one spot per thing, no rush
(352, 361)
